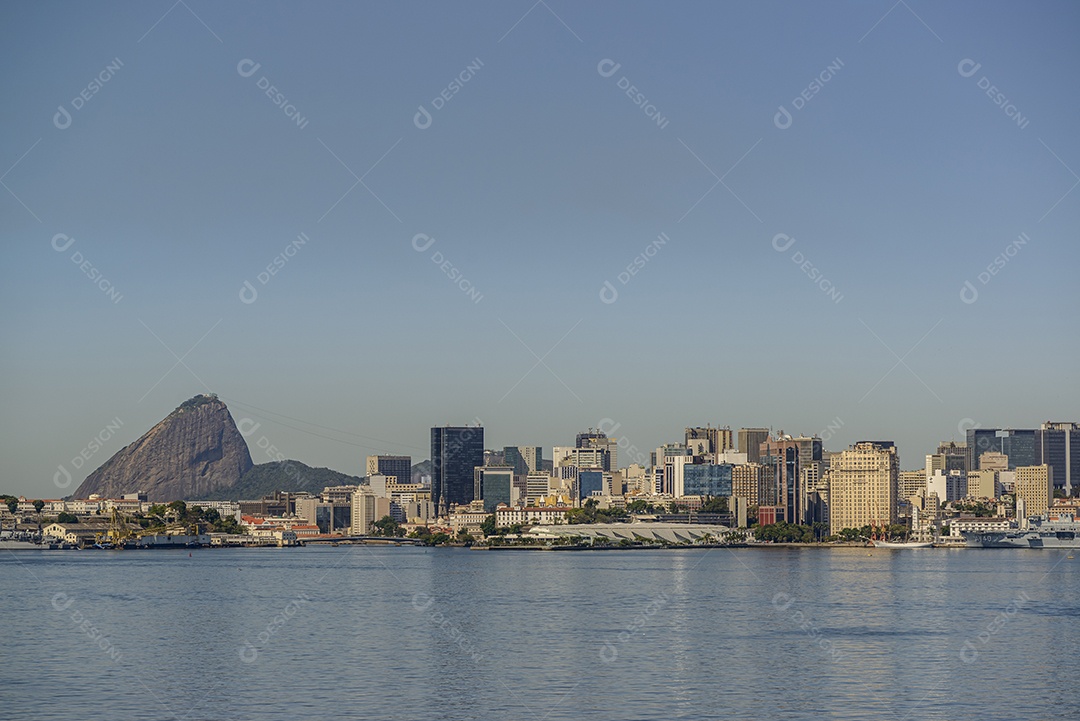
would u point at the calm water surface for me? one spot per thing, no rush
(411, 633)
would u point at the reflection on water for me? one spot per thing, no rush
(402, 633)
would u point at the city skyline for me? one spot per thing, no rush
(849, 233)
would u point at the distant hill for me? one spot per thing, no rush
(293, 476)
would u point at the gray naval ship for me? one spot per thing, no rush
(1059, 530)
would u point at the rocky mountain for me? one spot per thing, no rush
(193, 452)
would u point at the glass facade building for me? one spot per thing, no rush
(589, 482)
(455, 452)
(1018, 445)
(494, 485)
(707, 480)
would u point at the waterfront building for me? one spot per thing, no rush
(455, 452)
(862, 485)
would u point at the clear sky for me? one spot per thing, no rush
(147, 176)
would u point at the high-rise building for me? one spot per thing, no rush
(717, 440)
(785, 454)
(750, 440)
(590, 482)
(366, 509)
(982, 483)
(670, 458)
(524, 459)
(455, 452)
(1035, 486)
(537, 485)
(955, 456)
(909, 483)
(1018, 445)
(398, 466)
(862, 485)
(706, 480)
(494, 485)
(1058, 446)
(747, 481)
(593, 439)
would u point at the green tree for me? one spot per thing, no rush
(464, 536)
(38, 505)
(64, 517)
(488, 526)
(180, 508)
(12, 504)
(387, 526)
(716, 504)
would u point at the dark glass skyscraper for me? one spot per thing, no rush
(1018, 445)
(1058, 446)
(455, 452)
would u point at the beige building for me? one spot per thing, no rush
(862, 486)
(992, 461)
(982, 483)
(747, 480)
(910, 482)
(1035, 485)
(366, 509)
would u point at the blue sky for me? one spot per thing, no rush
(899, 178)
